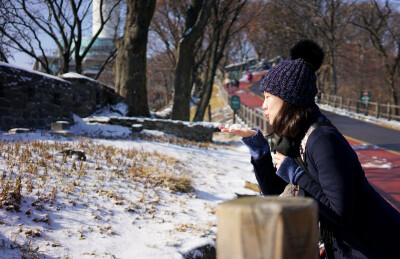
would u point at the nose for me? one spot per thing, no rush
(264, 105)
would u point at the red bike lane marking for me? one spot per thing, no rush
(382, 169)
(247, 97)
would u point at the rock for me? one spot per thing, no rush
(137, 127)
(60, 125)
(68, 152)
(19, 130)
(203, 252)
(64, 133)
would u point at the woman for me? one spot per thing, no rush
(355, 221)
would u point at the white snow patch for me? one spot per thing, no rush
(31, 71)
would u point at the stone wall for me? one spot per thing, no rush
(197, 131)
(30, 99)
(89, 95)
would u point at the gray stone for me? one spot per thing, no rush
(203, 252)
(202, 132)
(19, 130)
(60, 125)
(137, 128)
(64, 133)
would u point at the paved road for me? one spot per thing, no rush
(367, 132)
(381, 165)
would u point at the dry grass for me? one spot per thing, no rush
(43, 170)
(216, 100)
(38, 178)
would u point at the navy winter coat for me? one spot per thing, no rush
(363, 224)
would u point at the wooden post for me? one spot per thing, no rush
(377, 110)
(268, 227)
(357, 105)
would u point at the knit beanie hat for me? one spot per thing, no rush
(294, 79)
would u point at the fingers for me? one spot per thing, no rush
(245, 133)
(278, 157)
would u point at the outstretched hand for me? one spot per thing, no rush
(241, 132)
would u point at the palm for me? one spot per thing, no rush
(244, 133)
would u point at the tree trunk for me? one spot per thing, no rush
(130, 65)
(220, 37)
(65, 62)
(208, 84)
(389, 79)
(196, 18)
(182, 83)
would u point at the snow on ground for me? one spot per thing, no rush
(121, 202)
(132, 197)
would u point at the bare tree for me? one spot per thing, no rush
(282, 23)
(60, 21)
(330, 18)
(224, 15)
(105, 16)
(108, 60)
(160, 81)
(130, 66)
(168, 24)
(117, 21)
(381, 21)
(4, 52)
(195, 21)
(287, 21)
(166, 29)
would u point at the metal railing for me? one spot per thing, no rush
(379, 110)
(254, 117)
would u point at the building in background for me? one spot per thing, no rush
(100, 51)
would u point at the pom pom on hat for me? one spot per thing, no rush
(310, 51)
(294, 79)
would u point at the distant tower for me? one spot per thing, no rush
(101, 48)
(104, 44)
(109, 28)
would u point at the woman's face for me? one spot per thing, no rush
(271, 106)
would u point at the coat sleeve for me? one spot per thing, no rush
(270, 183)
(334, 161)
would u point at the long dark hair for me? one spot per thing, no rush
(291, 121)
